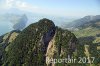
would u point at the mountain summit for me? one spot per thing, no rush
(39, 42)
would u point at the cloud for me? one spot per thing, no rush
(19, 4)
(25, 6)
(9, 3)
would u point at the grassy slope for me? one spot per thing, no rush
(86, 33)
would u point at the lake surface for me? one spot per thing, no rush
(5, 27)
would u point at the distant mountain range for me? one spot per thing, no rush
(83, 21)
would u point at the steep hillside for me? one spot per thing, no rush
(63, 44)
(88, 35)
(32, 45)
(91, 28)
(5, 41)
(42, 44)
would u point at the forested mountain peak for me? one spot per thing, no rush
(32, 45)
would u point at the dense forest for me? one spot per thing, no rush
(41, 41)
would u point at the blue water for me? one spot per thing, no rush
(5, 27)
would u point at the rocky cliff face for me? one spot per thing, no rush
(5, 41)
(63, 44)
(39, 42)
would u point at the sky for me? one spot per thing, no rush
(44, 8)
(74, 8)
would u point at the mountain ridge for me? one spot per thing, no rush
(82, 21)
(31, 45)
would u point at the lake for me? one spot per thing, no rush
(5, 27)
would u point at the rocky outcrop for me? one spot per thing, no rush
(5, 41)
(9, 37)
(62, 45)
